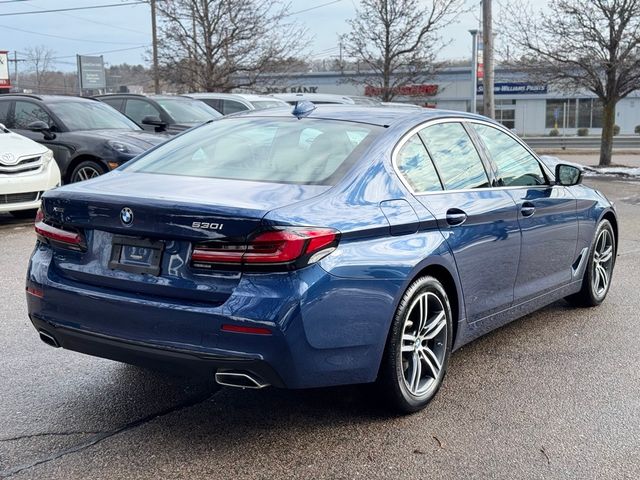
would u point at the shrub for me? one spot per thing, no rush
(637, 130)
(616, 129)
(583, 132)
(555, 133)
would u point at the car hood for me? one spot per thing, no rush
(139, 138)
(18, 146)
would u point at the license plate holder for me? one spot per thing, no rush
(136, 255)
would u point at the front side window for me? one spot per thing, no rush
(231, 106)
(516, 166)
(26, 113)
(414, 164)
(455, 156)
(305, 151)
(137, 110)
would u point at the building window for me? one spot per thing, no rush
(505, 112)
(590, 112)
(556, 112)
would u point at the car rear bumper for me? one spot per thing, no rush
(23, 191)
(175, 360)
(325, 330)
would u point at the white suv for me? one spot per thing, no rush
(27, 169)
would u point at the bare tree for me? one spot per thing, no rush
(39, 62)
(582, 45)
(210, 45)
(398, 40)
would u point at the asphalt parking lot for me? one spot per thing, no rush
(553, 395)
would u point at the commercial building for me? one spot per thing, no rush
(528, 107)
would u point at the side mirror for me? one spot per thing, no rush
(40, 126)
(568, 175)
(155, 121)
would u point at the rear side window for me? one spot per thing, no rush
(516, 166)
(455, 156)
(414, 164)
(284, 150)
(114, 102)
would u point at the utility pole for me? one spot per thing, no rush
(156, 78)
(474, 70)
(487, 40)
(15, 61)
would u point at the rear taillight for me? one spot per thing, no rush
(293, 247)
(59, 236)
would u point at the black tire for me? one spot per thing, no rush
(392, 381)
(86, 170)
(590, 295)
(24, 214)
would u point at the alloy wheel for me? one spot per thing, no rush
(602, 263)
(424, 343)
(85, 173)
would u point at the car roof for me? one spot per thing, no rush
(241, 96)
(49, 98)
(319, 97)
(138, 95)
(373, 115)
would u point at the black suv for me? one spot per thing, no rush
(87, 137)
(161, 113)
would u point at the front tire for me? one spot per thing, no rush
(418, 348)
(599, 270)
(87, 170)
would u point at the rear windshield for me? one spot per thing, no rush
(283, 150)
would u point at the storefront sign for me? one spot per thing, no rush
(295, 89)
(515, 88)
(4, 70)
(423, 90)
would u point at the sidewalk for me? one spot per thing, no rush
(591, 158)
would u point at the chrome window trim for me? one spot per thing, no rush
(462, 120)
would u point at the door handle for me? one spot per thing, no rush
(455, 216)
(527, 209)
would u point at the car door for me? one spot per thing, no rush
(480, 223)
(546, 213)
(137, 109)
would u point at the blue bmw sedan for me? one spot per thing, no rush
(324, 246)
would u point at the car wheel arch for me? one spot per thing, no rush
(613, 219)
(77, 160)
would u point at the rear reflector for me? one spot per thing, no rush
(242, 329)
(48, 232)
(293, 247)
(36, 292)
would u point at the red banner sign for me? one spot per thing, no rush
(423, 90)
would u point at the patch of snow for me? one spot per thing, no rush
(622, 171)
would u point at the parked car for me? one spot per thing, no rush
(228, 103)
(27, 170)
(324, 246)
(326, 98)
(87, 137)
(161, 113)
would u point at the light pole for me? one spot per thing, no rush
(474, 69)
(487, 59)
(156, 78)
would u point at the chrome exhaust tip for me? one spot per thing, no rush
(48, 339)
(239, 379)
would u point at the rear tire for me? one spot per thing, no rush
(599, 270)
(24, 214)
(418, 348)
(87, 170)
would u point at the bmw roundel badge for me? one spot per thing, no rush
(126, 215)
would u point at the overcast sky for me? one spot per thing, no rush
(127, 29)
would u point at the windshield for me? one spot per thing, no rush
(188, 111)
(90, 116)
(262, 104)
(284, 150)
